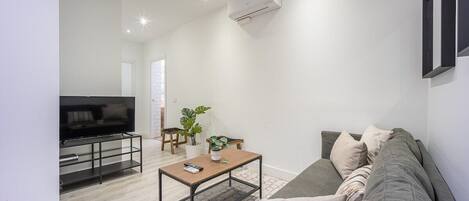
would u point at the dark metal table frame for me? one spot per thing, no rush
(101, 170)
(193, 187)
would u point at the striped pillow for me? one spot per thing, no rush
(354, 185)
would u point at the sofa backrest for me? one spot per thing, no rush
(398, 174)
(441, 188)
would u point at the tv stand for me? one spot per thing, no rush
(97, 171)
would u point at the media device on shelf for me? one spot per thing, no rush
(91, 116)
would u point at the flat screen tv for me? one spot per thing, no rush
(86, 116)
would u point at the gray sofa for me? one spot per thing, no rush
(403, 170)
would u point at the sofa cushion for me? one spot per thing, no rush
(319, 179)
(406, 137)
(398, 175)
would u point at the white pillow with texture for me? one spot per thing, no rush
(374, 138)
(354, 185)
(318, 198)
(348, 154)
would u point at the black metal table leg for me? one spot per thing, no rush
(141, 155)
(92, 157)
(229, 179)
(100, 164)
(131, 151)
(193, 189)
(160, 186)
(260, 177)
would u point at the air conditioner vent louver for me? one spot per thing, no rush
(242, 9)
(250, 14)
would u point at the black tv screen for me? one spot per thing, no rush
(83, 116)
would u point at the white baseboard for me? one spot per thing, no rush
(273, 171)
(280, 173)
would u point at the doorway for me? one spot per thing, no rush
(158, 97)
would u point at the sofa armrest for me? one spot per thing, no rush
(328, 140)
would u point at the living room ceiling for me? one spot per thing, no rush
(161, 16)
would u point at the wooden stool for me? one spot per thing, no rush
(173, 142)
(237, 142)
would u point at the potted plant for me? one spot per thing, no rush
(216, 145)
(191, 128)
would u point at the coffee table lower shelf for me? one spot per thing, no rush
(226, 190)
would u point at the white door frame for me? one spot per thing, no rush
(165, 93)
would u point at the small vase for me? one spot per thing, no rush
(215, 155)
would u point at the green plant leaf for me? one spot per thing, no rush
(196, 129)
(213, 138)
(187, 123)
(201, 109)
(188, 113)
(183, 133)
(217, 143)
(224, 140)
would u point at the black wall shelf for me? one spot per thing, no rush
(463, 28)
(100, 170)
(448, 38)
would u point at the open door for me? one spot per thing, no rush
(158, 97)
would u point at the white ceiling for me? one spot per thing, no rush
(164, 15)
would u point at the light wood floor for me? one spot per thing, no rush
(134, 186)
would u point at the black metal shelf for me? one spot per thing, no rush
(87, 174)
(100, 170)
(95, 140)
(71, 163)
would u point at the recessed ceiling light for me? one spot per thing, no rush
(143, 21)
(128, 31)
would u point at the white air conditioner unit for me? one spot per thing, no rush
(240, 10)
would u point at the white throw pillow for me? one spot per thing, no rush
(348, 154)
(318, 198)
(374, 138)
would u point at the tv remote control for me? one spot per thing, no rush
(191, 169)
(193, 166)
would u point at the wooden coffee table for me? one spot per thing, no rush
(235, 159)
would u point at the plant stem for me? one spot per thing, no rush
(193, 142)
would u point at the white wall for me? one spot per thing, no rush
(132, 52)
(90, 56)
(186, 76)
(90, 47)
(313, 65)
(29, 91)
(448, 127)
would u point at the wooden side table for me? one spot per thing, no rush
(173, 141)
(237, 142)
